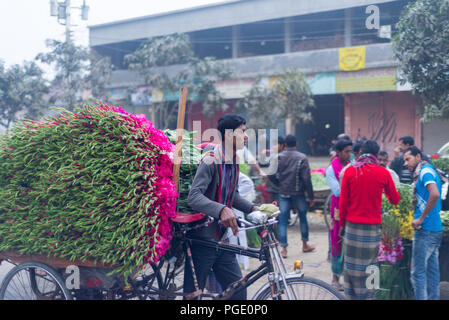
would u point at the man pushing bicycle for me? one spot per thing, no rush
(215, 192)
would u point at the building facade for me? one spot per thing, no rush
(343, 47)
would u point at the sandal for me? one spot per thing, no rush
(308, 249)
(284, 253)
(338, 286)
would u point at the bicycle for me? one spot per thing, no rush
(280, 285)
(33, 279)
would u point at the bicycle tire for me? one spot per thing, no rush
(296, 280)
(327, 210)
(55, 277)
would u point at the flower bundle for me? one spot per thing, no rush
(190, 159)
(394, 258)
(391, 251)
(390, 248)
(404, 210)
(92, 185)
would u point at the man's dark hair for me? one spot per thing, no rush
(343, 136)
(407, 140)
(371, 147)
(290, 140)
(229, 121)
(341, 144)
(414, 150)
(383, 154)
(281, 140)
(358, 145)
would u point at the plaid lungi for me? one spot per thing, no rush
(361, 243)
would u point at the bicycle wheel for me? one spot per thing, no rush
(34, 281)
(305, 288)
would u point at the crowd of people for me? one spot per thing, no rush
(358, 176)
(357, 187)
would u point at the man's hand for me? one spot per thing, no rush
(416, 224)
(341, 232)
(228, 220)
(311, 203)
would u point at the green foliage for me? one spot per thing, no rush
(290, 97)
(190, 158)
(22, 90)
(405, 204)
(155, 62)
(445, 221)
(319, 181)
(441, 163)
(422, 48)
(390, 227)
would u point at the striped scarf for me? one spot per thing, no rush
(365, 159)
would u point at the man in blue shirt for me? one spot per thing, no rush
(425, 273)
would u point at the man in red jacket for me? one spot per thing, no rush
(360, 217)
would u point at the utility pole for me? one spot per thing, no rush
(67, 21)
(63, 11)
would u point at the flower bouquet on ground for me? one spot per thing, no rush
(394, 262)
(95, 185)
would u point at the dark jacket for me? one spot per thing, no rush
(203, 196)
(294, 174)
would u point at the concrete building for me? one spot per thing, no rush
(342, 46)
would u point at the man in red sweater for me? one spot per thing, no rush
(360, 217)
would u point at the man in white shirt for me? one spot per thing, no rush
(383, 161)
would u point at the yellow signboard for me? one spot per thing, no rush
(369, 80)
(352, 58)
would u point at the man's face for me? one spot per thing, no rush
(403, 146)
(279, 148)
(345, 154)
(357, 154)
(240, 137)
(411, 161)
(383, 161)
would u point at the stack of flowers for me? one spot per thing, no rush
(93, 185)
(390, 248)
(395, 249)
(190, 159)
(404, 210)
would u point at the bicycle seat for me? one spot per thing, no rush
(182, 217)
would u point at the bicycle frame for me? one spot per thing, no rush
(273, 263)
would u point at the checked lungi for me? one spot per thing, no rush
(361, 243)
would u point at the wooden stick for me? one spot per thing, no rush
(179, 131)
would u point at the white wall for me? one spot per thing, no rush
(435, 134)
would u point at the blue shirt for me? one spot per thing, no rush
(433, 220)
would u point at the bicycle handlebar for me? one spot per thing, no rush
(241, 221)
